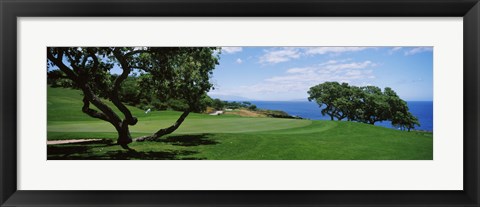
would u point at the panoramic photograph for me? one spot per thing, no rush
(240, 103)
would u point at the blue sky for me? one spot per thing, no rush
(286, 73)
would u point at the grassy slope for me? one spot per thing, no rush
(228, 137)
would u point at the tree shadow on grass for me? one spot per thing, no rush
(189, 140)
(151, 155)
(65, 150)
(92, 151)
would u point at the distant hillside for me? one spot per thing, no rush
(229, 97)
(299, 99)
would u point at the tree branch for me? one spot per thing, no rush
(95, 60)
(106, 114)
(129, 54)
(140, 68)
(92, 98)
(84, 60)
(88, 94)
(58, 62)
(72, 63)
(92, 112)
(129, 118)
(165, 131)
(125, 69)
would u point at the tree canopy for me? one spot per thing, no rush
(160, 73)
(366, 104)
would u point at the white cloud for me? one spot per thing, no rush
(231, 50)
(417, 50)
(239, 61)
(278, 56)
(299, 70)
(325, 50)
(285, 54)
(354, 65)
(295, 82)
(394, 50)
(328, 71)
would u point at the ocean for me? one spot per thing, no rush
(423, 110)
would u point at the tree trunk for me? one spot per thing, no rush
(106, 113)
(165, 131)
(124, 137)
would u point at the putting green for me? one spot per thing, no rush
(216, 124)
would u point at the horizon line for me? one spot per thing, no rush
(306, 100)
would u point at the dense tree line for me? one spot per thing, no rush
(164, 73)
(219, 104)
(367, 104)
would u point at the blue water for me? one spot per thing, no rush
(423, 110)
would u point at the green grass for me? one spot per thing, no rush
(227, 137)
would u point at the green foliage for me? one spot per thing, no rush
(329, 94)
(278, 114)
(237, 105)
(160, 78)
(129, 92)
(374, 107)
(366, 104)
(178, 105)
(57, 78)
(218, 104)
(178, 76)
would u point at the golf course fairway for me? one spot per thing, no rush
(226, 137)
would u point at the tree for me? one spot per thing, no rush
(218, 104)
(398, 111)
(410, 121)
(348, 102)
(56, 78)
(366, 104)
(326, 94)
(404, 120)
(181, 73)
(129, 93)
(191, 69)
(374, 107)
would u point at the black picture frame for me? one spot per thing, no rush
(10, 10)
